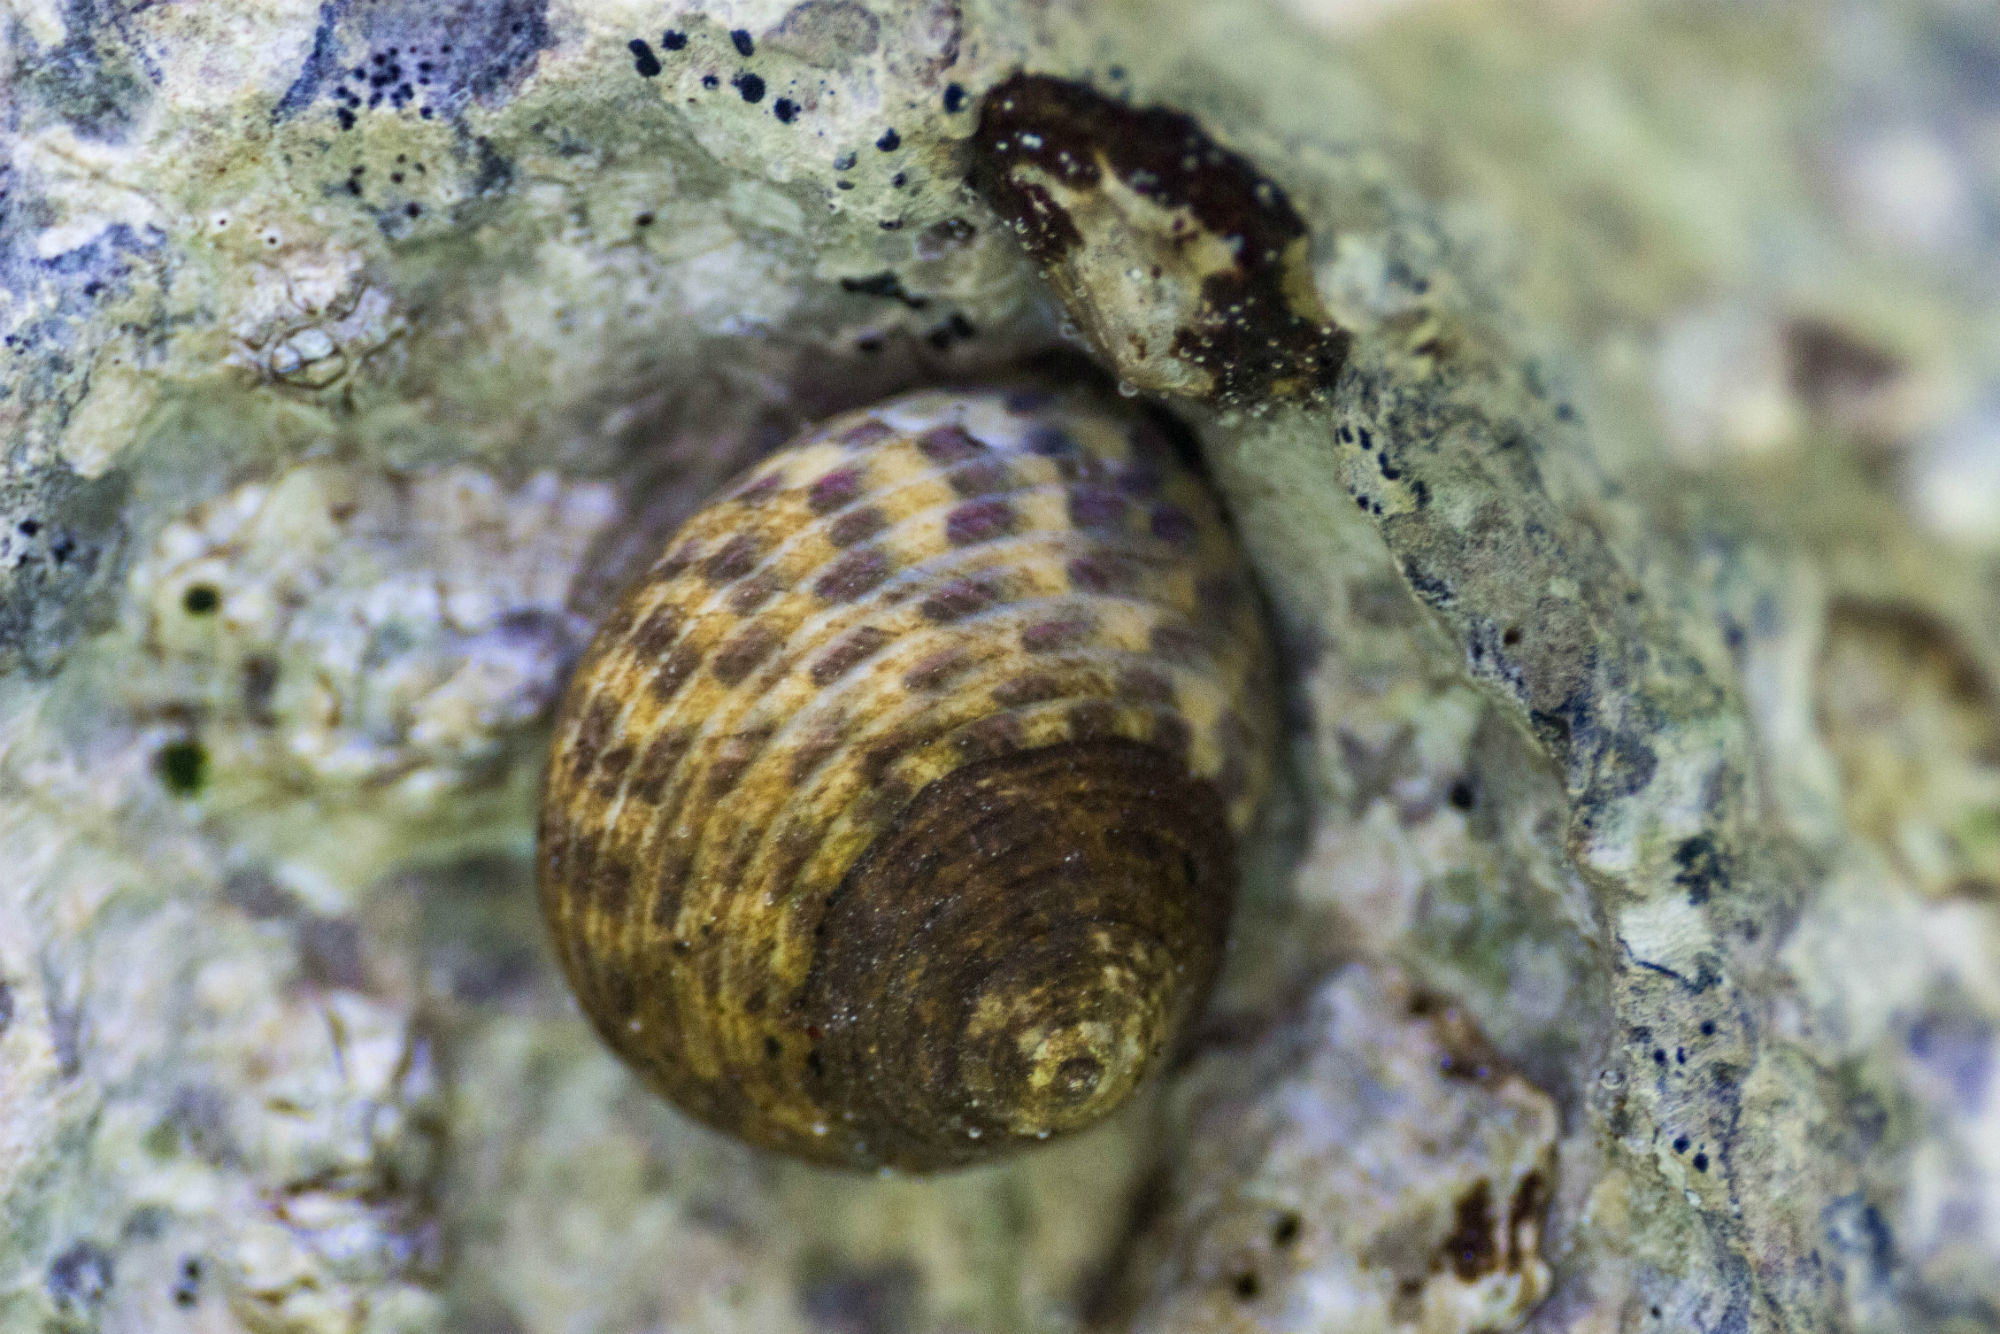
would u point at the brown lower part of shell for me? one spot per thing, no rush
(1015, 953)
(1018, 949)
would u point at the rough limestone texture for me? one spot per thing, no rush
(1624, 954)
(1420, 1161)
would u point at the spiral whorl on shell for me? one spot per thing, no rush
(890, 817)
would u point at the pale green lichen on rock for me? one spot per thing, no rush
(356, 351)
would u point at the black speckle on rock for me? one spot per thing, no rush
(1699, 869)
(673, 40)
(955, 329)
(845, 162)
(750, 86)
(182, 766)
(80, 1276)
(740, 39)
(954, 98)
(890, 140)
(187, 1286)
(643, 58)
(884, 284)
(1700, 1162)
(458, 52)
(6, 1005)
(200, 599)
(710, 81)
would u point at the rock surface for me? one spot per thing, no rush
(1636, 576)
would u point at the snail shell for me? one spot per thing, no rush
(890, 817)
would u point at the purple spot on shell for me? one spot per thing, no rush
(1031, 688)
(733, 758)
(1175, 526)
(812, 752)
(1048, 636)
(762, 489)
(675, 562)
(960, 598)
(657, 633)
(834, 490)
(948, 444)
(844, 656)
(736, 559)
(989, 737)
(936, 670)
(879, 758)
(979, 521)
(981, 477)
(857, 525)
(657, 765)
(856, 573)
(609, 773)
(593, 732)
(865, 433)
(740, 656)
(752, 593)
(674, 672)
(1095, 507)
(1101, 573)
(669, 880)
